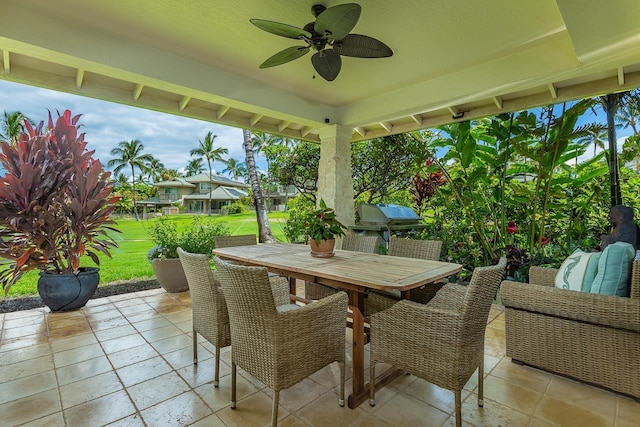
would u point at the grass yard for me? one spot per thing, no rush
(129, 259)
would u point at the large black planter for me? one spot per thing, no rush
(63, 292)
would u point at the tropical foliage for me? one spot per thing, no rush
(196, 237)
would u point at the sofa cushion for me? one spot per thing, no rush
(614, 270)
(572, 272)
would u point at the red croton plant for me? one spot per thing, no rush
(55, 201)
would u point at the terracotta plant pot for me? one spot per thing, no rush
(170, 274)
(324, 249)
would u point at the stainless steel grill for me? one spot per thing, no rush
(386, 219)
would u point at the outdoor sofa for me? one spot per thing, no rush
(590, 337)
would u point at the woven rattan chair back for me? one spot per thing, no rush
(411, 248)
(210, 316)
(279, 349)
(353, 242)
(229, 241)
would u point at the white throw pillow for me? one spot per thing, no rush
(571, 274)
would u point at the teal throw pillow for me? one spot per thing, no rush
(614, 270)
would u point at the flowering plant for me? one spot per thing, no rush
(321, 224)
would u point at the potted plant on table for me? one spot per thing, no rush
(197, 237)
(321, 228)
(55, 203)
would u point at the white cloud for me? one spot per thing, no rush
(169, 138)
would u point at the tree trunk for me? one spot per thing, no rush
(210, 186)
(133, 193)
(611, 103)
(264, 229)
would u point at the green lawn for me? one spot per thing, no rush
(129, 259)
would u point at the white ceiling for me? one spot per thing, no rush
(200, 58)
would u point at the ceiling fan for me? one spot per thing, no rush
(328, 36)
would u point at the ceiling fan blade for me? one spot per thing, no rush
(338, 21)
(279, 29)
(327, 63)
(284, 56)
(360, 46)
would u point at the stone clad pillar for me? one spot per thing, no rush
(335, 183)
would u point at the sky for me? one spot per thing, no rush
(167, 137)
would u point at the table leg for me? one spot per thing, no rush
(356, 303)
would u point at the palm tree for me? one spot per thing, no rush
(264, 229)
(194, 167)
(611, 104)
(130, 154)
(629, 112)
(597, 135)
(207, 150)
(235, 168)
(168, 174)
(155, 168)
(12, 126)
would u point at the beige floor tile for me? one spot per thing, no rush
(27, 386)
(78, 354)
(117, 332)
(100, 411)
(433, 395)
(179, 317)
(38, 328)
(26, 368)
(370, 420)
(30, 408)
(589, 398)
(210, 421)
(203, 372)
(134, 420)
(148, 324)
(108, 323)
(102, 315)
(70, 331)
(53, 420)
(22, 342)
(184, 357)
(562, 413)
(181, 410)
(158, 334)
(56, 322)
(132, 301)
(85, 369)
(172, 344)
(405, 410)
(34, 319)
(157, 390)
(22, 354)
(91, 388)
(97, 305)
(628, 412)
(186, 326)
(491, 414)
(74, 342)
(300, 394)
(512, 395)
(136, 308)
(143, 371)
(254, 410)
(122, 343)
(132, 355)
(329, 376)
(522, 375)
(144, 315)
(37, 312)
(220, 397)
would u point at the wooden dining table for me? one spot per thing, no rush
(354, 272)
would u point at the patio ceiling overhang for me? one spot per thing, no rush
(453, 60)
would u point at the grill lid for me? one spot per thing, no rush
(387, 214)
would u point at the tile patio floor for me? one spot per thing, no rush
(127, 361)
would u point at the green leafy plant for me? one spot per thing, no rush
(322, 224)
(197, 237)
(55, 201)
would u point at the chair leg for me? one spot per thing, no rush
(216, 378)
(372, 384)
(341, 399)
(233, 385)
(458, 409)
(274, 411)
(195, 347)
(481, 382)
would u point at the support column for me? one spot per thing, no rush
(335, 183)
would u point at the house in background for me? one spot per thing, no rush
(193, 193)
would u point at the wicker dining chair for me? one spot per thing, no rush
(209, 310)
(280, 287)
(279, 348)
(350, 242)
(408, 248)
(442, 341)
